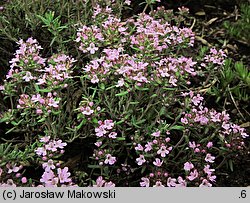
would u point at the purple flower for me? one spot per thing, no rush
(49, 165)
(59, 144)
(163, 151)
(41, 151)
(109, 184)
(110, 159)
(47, 176)
(100, 131)
(140, 160)
(158, 184)
(148, 147)
(45, 139)
(139, 147)
(63, 175)
(209, 158)
(99, 182)
(112, 135)
(92, 48)
(171, 182)
(193, 175)
(108, 124)
(13, 168)
(205, 183)
(156, 134)
(188, 166)
(145, 182)
(157, 162)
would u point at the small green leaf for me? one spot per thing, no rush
(41, 120)
(94, 166)
(120, 138)
(176, 127)
(230, 162)
(121, 94)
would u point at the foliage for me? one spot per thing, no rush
(241, 28)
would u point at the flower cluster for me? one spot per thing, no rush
(157, 146)
(53, 175)
(90, 39)
(57, 71)
(232, 134)
(104, 133)
(41, 104)
(215, 57)
(100, 182)
(154, 35)
(11, 176)
(24, 65)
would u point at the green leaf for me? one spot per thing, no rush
(120, 138)
(141, 88)
(94, 166)
(102, 86)
(176, 127)
(134, 102)
(41, 120)
(94, 120)
(121, 94)
(230, 162)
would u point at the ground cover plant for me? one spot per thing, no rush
(102, 98)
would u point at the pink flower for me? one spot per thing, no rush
(92, 48)
(148, 147)
(60, 144)
(140, 160)
(139, 147)
(163, 151)
(94, 79)
(171, 182)
(109, 184)
(193, 175)
(184, 121)
(156, 134)
(99, 182)
(145, 182)
(209, 144)
(100, 131)
(188, 166)
(110, 159)
(120, 82)
(63, 175)
(128, 2)
(112, 135)
(87, 111)
(192, 145)
(24, 180)
(41, 151)
(158, 184)
(98, 144)
(157, 162)
(197, 99)
(108, 124)
(28, 77)
(207, 170)
(51, 147)
(1, 171)
(13, 168)
(49, 165)
(182, 183)
(47, 176)
(209, 158)
(205, 183)
(45, 139)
